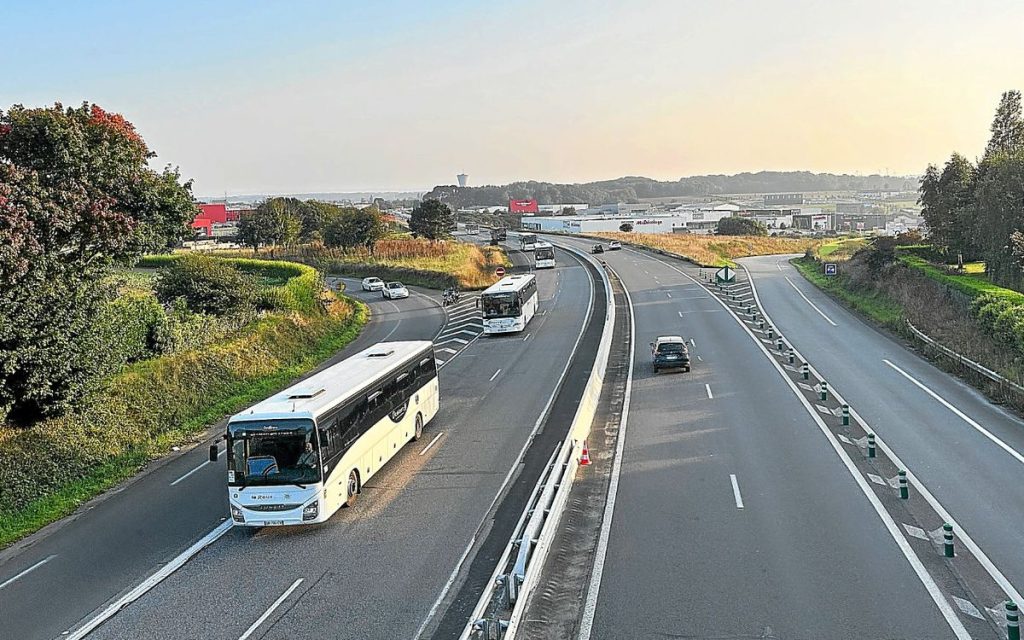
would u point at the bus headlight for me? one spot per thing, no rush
(236, 514)
(311, 510)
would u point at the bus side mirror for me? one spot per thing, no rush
(213, 453)
(478, 303)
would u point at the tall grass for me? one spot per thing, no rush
(715, 251)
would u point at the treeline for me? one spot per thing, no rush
(77, 198)
(631, 189)
(976, 209)
(289, 221)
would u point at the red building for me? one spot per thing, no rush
(211, 214)
(523, 206)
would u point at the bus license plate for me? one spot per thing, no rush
(273, 523)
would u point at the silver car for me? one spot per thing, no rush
(373, 284)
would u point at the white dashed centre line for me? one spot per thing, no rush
(680, 313)
(27, 571)
(219, 451)
(495, 375)
(432, 443)
(736, 491)
(707, 387)
(266, 614)
(527, 337)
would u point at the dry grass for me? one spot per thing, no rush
(715, 251)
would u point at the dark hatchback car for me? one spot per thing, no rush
(670, 352)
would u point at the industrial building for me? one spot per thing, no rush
(682, 221)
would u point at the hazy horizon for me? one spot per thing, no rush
(401, 96)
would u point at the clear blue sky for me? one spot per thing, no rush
(287, 97)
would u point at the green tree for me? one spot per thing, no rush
(626, 227)
(432, 219)
(207, 285)
(998, 198)
(947, 200)
(76, 196)
(273, 223)
(737, 226)
(1007, 126)
(351, 227)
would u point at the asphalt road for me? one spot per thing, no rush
(375, 571)
(115, 541)
(975, 476)
(734, 516)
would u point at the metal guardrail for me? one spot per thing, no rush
(965, 361)
(498, 612)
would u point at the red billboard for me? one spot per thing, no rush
(523, 206)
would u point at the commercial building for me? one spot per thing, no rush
(216, 220)
(686, 221)
(771, 199)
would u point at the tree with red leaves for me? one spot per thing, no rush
(77, 195)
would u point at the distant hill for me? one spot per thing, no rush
(633, 188)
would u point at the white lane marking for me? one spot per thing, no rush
(527, 337)
(778, 265)
(594, 588)
(495, 375)
(963, 535)
(736, 491)
(668, 294)
(808, 301)
(680, 313)
(515, 461)
(432, 442)
(692, 343)
(219, 451)
(894, 531)
(459, 340)
(982, 430)
(150, 582)
(28, 571)
(707, 387)
(266, 614)
(700, 358)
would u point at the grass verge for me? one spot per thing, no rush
(971, 284)
(714, 251)
(875, 305)
(104, 452)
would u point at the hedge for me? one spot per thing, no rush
(972, 286)
(154, 403)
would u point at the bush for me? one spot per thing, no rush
(207, 285)
(737, 226)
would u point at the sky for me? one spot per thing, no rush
(306, 96)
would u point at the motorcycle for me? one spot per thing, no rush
(450, 296)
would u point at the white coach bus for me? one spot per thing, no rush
(544, 255)
(509, 304)
(299, 455)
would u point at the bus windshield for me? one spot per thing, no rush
(500, 305)
(277, 452)
(545, 253)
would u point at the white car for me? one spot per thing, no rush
(394, 290)
(614, 246)
(373, 284)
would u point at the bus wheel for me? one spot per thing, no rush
(419, 428)
(353, 488)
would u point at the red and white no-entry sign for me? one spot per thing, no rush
(500, 271)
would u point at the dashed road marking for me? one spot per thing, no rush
(273, 607)
(495, 375)
(27, 571)
(432, 442)
(736, 491)
(206, 462)
(707, 387)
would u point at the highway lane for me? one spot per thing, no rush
(970, 473)
(115, 541)
(734, 516)
(375, 571)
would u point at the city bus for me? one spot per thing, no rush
(509, 304)
(527, 241)
(544, 256)
(301, 454)
(498, 234)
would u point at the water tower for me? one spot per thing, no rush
(463, 178)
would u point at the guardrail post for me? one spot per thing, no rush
(1012, 621)
(871, 445)
(771, 333)
(760, 324)
(824, 391)
(904, 486)
(806, 370)
(846, 415)
(792, 356)
(779, 344)
(947, 540)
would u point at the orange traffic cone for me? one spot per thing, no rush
(585, 456)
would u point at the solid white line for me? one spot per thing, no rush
(708, 388)
(150, 582)
(219, 451)
(266, 614)
(982, 430)
(436, 438)
(594, 588)
(495, 375)
(27, 571)
(894, 530)
(808, 301)
(1011, 592)
(736, 491)
(515, 461)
